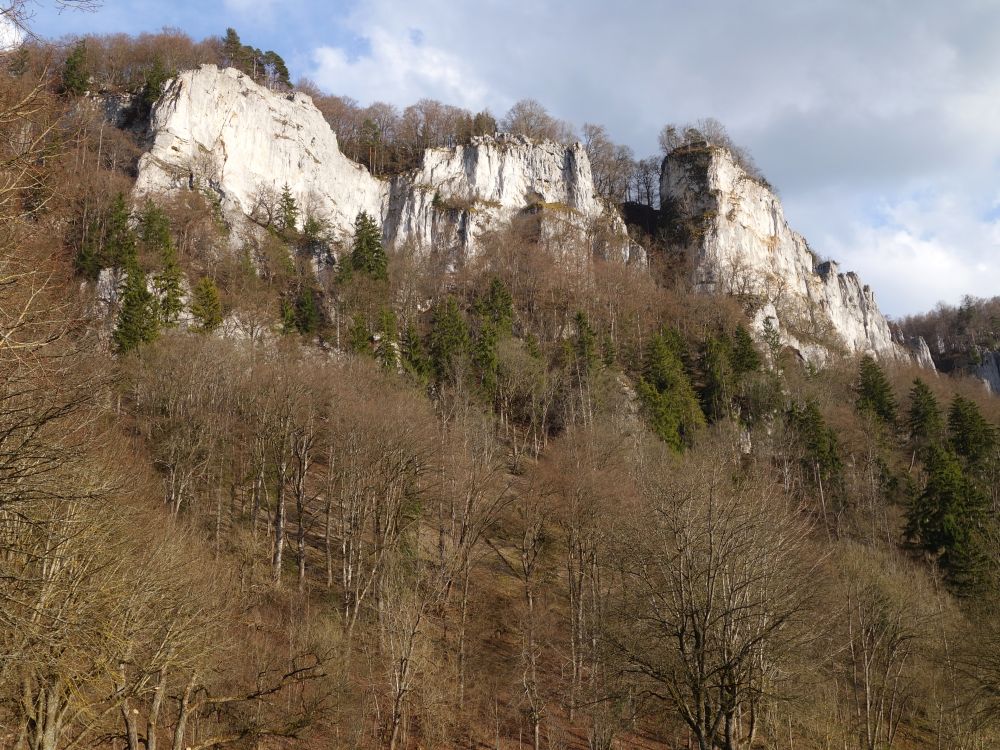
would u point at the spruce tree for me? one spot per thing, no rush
(314, 232)
(119, 240)
(667, 394)
(232, 48)
(154, 227)
(772, 339)
(495, 315)
(88, 259)
(745, 357)
(288, 211)
(360, 337)
(137, 316)
(819, 446)
(609, 355)
(307, 316)
(155, 234)
(168, 287)
(924, 420)
(206, 305)
(485, 355)
(449, 338)
(415, 357)
(368, 255)
(388, 344)
(949, 519)
(584, 343)
(484, 124)
(76, 75)
(497, 307)
(717, 376)
(152, 88)
(971, 436)
(875, 396)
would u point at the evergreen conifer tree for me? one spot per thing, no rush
(76, 75)
(288, 211)
(277, 71)
(717, 385)
(206, 305)
(119, 239)
(820, 448)
(367, 254)
(152, 88)
(306, 314)
(772, 339)
(449, 338)
(667, 394)
(155, 234)
(314, 232)
(232, 48)
(88, 258)
(949, 519)
(497, 307)
(924, 420)
(584, 343)
(875, 396)
(485, 355)
(745, 357)
(137, 316)
(168, 287)
(388, 346)
(360, 337)
(971, 436)
(415, 358)
(609, 355)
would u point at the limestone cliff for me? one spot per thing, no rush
(219, 130)
(988, 370)
(735, 232)
(920, 352)
(459, 192)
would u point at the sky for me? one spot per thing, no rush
(878, 121)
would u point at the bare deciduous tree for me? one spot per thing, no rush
(716, 586)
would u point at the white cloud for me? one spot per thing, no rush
(253, 10)
(400, 68)
(924, 250)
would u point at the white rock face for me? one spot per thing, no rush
(735, 230)
(219, 129)
(921, 353)
(468, 189)
(989, 370)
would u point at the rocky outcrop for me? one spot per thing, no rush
(920, 352)
(734, 229)
(988, 370)
(219, 130)
(457, 193)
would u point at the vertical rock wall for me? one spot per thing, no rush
(734, 228)
(218, 130)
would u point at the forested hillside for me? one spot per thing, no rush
(260, 489)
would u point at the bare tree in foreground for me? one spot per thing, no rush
(716, 588)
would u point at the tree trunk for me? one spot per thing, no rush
(154, 712)
(183, 713)
(279, 525)
(131, 731)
